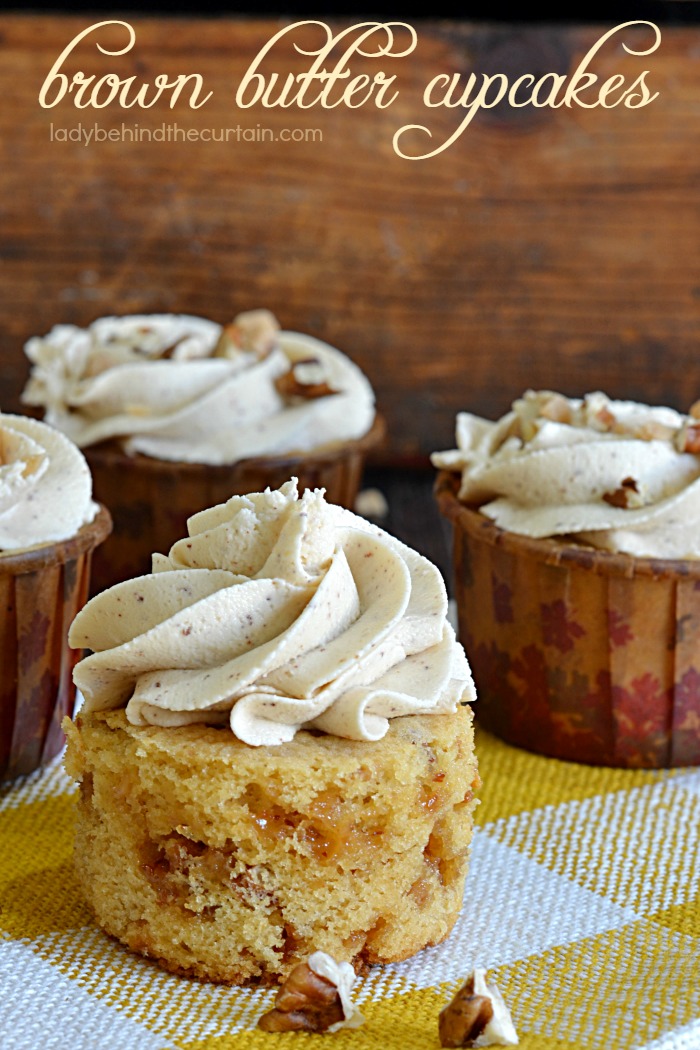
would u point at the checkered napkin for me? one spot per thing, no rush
(583, 902)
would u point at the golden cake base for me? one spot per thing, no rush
(231, 863)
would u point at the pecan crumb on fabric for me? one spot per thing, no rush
(314, 998)
(627, 496)
(477, 1016)
(465, 1018)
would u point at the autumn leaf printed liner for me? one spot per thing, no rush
(577, 653)
(41, 592)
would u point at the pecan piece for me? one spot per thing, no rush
(596, 413)
(477, 1016)
(464, 1019)
(304, 380)
(605, 418)
(305, 1002)
(314, 998)
(557, 408)
(254, 331)
(628, 496)
(689, 438)
(167, 353)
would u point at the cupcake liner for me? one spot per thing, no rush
(150, 500)
(41, 591)
(579, 654)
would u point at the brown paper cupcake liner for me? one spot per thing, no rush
(150, 500)
(41, 592)
(577, 653)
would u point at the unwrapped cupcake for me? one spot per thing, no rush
(275, 753)
(176, 413)
(577, 539)
(49, 526)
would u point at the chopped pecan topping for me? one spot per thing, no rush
(254, 331)
(304, 380)
(557, 408)
(689, 438)
(167, 353)
(627, 496)
(605, 418)
(305, 1002)
(522, 428)
(464, 1019)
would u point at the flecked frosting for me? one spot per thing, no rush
(278, 612)
(45, 485)
(617, 475)
(185, 389)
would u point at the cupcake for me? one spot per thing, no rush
(275, 754)
(577, 575)
(176, 413)
(49, 526)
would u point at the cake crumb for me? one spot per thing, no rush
(372, 504)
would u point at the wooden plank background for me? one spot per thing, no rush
(562, 251)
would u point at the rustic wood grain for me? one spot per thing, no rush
(562, 251)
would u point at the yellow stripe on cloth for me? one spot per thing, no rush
(621, 989)
(37, 884)
(683, 918)
(517, 781)
(408, 1022)
(638, 848)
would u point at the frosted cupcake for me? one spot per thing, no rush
(275, 753)
(577, 537)
(176, 413)
(49, 526)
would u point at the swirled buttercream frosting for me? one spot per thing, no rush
(277, 612)
(185, 389)
(617, 475)
(45, 485)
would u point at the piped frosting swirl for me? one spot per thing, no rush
(185, 389)
(45, 485)
(278, 612)
(617, 475)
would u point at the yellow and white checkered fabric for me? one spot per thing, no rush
(583, 902)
